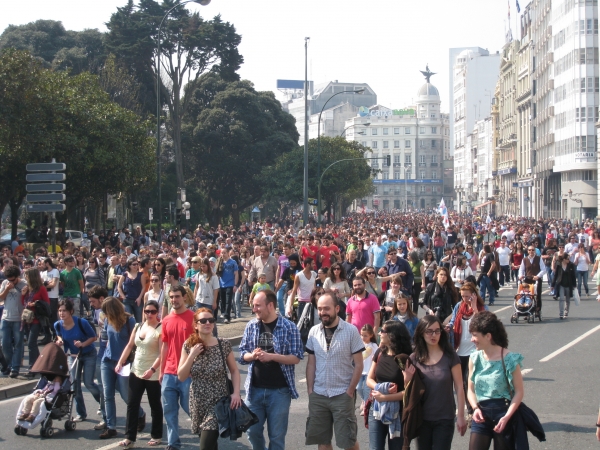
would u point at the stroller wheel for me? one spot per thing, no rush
(47, 432)
(20, 431)
(531, 319)
(70, 425)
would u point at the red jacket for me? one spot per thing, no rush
(41, 294)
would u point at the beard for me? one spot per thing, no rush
(327, 319)
(359, 291)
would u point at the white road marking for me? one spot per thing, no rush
(526, 371)
(303, 380)
(502, 309)
(569, 345)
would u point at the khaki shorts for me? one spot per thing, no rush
(329, 414)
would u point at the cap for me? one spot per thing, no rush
(213, 259)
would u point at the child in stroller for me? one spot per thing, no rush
(34, 401)
(524, 302)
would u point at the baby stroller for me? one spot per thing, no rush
(525, 303)
(51, 363)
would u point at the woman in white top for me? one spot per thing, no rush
(582, 262)
(337, 282)
(390, 297)
(304, 283)
(460, 272)
(206, 291)
(155, 293)
(368, 337)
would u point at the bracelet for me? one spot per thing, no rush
(153, 369)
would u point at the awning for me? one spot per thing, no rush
(484, 204)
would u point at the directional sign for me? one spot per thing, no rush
(49, 207)
(46, 167)
(32, 198)
(150, 214)
(187, 214)
(46, 187)
(46, 177)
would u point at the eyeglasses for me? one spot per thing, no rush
(382, 331)
(206, 320)
(150, 311)
(135, 264)
(337, 268)
(432, 332)
(195, 262)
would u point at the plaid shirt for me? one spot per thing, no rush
(286, 341)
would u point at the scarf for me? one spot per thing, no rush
(464, 311)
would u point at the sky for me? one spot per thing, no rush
(380, 42)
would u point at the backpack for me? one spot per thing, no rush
(78, 321)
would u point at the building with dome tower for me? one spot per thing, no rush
(417, 140)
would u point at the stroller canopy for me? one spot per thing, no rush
(52, 361)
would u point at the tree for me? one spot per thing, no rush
(190, 47)
(342, 183)
(231, 134)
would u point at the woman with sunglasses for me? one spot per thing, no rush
(155, 293)
(474, 258)
(206, 359)
(337, 282)
(160, 268)
(374, 284)
(131, 289)
(441, 374)
(144, 376)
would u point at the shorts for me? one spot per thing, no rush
(492, 410)
(329, 414)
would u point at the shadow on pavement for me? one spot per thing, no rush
(558, 426)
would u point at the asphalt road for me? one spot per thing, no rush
(560, 387)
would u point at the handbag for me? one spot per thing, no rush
(306, 322)
(228, 382)
(27, 315)
(576, 296)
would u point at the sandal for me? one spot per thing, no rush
(154, 442)
(125, 444)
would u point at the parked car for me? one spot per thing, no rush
(74, 236)
(6, 239)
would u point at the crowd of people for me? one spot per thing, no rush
(346, 296)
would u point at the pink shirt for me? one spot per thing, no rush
(363, 310)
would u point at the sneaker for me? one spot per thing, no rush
(221, 316)
(14, 374)
(566, 313)
(226, 321)
(108, 434)
(6, 372)
(100, 426)
(78, 418)
(561, 317)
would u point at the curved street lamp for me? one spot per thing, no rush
(362, 133)
(158, 108)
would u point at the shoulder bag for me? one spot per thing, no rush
(228, 381)
(131, 356)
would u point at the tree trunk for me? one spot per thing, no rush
(14, 215)
(235, 218)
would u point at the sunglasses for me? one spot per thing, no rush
(370, 273)
(150, 311)
(382, 331)
(337, 268)
(207, 320)
(134, 264)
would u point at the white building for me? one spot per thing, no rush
(416, 139)
(475, 77)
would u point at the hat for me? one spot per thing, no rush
(212, 259)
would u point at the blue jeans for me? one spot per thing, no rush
(486, 285)
(110, 379)
(174, 393)
(281, 300)
(439, 253)
(134, 309)
(550, 276)
(504, 275)
(379, 434)
(436, 435)
(85, 369)
(363, 390)
(237, 310)
(12, 343)
(226, 298)
(582, 275)
(272, 405)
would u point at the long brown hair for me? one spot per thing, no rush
(449, 284)
(473, 290)
(34, 279)
(195, 336)
(409, 311)
(115, 312)
(209, 272)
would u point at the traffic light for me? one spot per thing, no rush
(178, 216)
(134, 209)
(167, 212)
(388, 160)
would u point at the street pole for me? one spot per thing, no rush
(406, 165)
(305, 212)
(358, 91)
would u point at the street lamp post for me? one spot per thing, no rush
(362, 133)
(406, 166)
(358, 91)
(158, 108)
(305, 212)
(580, 201)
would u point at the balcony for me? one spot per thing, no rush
(422, 164)
(434, 164)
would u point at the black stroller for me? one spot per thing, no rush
(52, 362)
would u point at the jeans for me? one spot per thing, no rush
(363, 390)
(550, 275)
(486, 285)
(272, 405)
(109, 381)
(225, 298)
(85, 304)
(514, 274)
(301, 306)
(379, 434)
(582, 275)
(34, 352)
(136, 388)
(564, 295)
(436, 435)
(174, 393)
(281, 297)
(53, 315)
(12, 343)
(439, 254)
(504, 275)
(134, 309)
(85, 369)
(237, 303)
(99, 382)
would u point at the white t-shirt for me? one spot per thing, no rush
(48, 276)
(503, 256)
(367, 355)
(466, 347)
(206, 288)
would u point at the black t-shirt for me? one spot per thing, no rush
(289, 275)
(352, 268)
(387, 370)
(329, 335)
(267, 375)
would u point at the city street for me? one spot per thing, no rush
(559, 386)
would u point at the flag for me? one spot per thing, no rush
(518, 7)
(488, 219)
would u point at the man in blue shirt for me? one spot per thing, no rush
(400, 266)
(377, 253)
(272, 346)
(228, 282)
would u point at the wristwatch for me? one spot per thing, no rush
(153, 369)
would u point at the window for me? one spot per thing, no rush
(422, 174)
(385, 131)
(406, 144)
(406, 130)
(422, 143)
(396, 144)
(396, 130)
(434, 175)
(422, 189)
(396, 175)
(386, 175)
(434, 158)
(375, 191)
(374, 144)
(432, 116)
(433, 130)
(396, 159)
(422, 158)
(397, 203)
(407, 159)
(421, 130)
(384, 162)
(433, 144)
(385, 144)
(364, 143)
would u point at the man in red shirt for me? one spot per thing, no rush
(176, 328)
(362, 307)
(326, 251)
(309, 249)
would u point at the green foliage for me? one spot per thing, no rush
(343, 182)
(232, 133)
